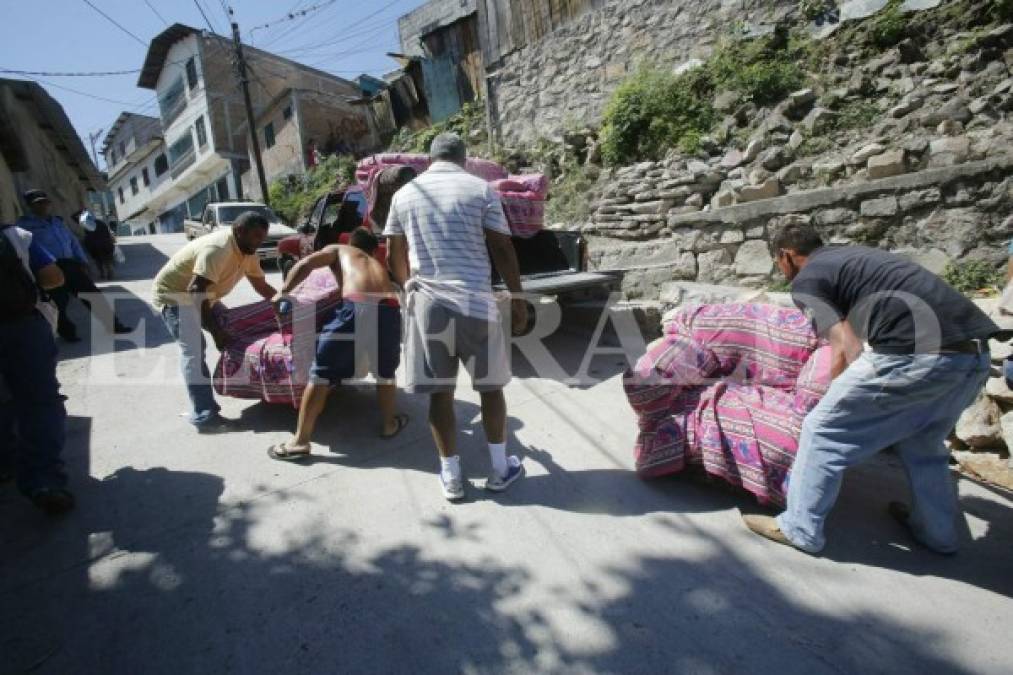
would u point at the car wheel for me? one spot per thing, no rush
(285, 265)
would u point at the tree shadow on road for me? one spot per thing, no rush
(860, 531)
(160, 577)
(136, 312)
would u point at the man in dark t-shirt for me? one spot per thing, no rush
(928, 361)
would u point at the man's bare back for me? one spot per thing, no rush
(359, 274)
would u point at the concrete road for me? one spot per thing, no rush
(199, 554)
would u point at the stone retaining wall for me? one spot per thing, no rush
(565, 79)
(934, 216)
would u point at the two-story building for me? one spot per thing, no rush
(204, 122)
(138, 171)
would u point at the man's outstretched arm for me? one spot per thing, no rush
(325, 257)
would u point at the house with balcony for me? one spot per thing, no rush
(204, 123)
(138, 170)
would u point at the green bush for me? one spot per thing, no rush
(761, 73)
(1001, 10)
(293, 197)
(810, 10)
(468, 119)
(890, 26)
(856, 115)
(569, 199)
(970, 276)
(654, 110)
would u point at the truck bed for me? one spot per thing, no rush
(555, 283)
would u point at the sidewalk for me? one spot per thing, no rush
(196, 553)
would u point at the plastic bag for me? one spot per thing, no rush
(118, 255)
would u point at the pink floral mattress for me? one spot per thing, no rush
(271, 361)
(727, 388)
(523, 197)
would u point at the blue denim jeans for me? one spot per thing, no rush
(33, 421)
(184, 326)
(910, 402)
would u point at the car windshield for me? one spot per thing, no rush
(227, 214)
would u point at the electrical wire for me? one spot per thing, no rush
(201, 10)
(152, 8)
(359, 28)
(292, 15)
(117, 24)
(44, 73)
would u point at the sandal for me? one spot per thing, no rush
(401, 421)
(283, 453)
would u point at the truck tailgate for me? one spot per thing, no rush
(554, 283)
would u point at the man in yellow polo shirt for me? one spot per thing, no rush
(200, 274)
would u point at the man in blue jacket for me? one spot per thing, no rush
(50, 233)
(32, 416)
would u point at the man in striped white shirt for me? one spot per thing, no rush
(438, 231)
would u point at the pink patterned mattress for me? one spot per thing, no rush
(727, 388)
(268, 361)
(523, 197)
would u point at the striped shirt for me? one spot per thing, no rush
(444, 214)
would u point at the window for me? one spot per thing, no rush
(120, 190)
(161, 164)
(269, 135)
(222, 186)
(172, 102)
(191, 74)
(202, 134)
(123, 150)
(145, 178)
(287, 112)
(181, 155)
(133, 185)
(112, 157)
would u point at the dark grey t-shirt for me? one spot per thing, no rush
(898, 306)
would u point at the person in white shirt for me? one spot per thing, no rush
(441, 231)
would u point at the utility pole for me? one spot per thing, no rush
(244, 81)
(92, 137)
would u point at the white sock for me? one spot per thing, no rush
(450, 467)
(497, 453)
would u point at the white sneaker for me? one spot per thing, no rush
(453, 488)
(514, 471)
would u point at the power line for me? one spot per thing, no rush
(84, 93)
(117, 24)
(206, 19)
(292, 15)
(44, 73)
(359, 28)
(152, 8)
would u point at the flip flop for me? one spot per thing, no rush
(281, 453)
(402, 422)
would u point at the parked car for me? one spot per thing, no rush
(219, 214)
(334, 214)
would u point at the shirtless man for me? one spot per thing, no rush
(369, 317)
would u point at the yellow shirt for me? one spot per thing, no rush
(216, 257)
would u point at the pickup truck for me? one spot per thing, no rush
(551, 262)
(222, 214)
(333, 214)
